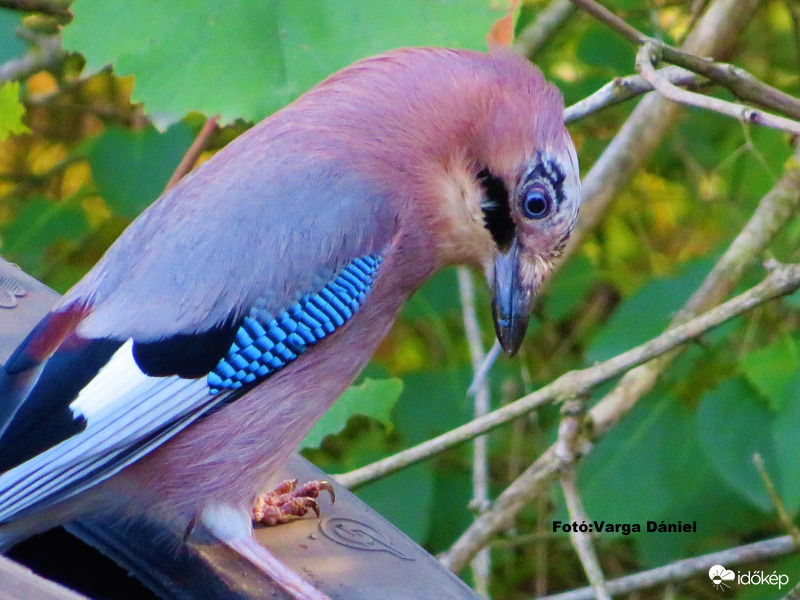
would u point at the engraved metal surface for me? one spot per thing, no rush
(359, 536)
(10, 289)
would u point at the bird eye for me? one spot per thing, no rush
(536, 204)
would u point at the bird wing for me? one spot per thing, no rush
(96, 406)
(180, 316)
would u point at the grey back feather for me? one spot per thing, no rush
(261, 223)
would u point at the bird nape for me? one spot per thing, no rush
(187, 365)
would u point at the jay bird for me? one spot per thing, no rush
(192, 359)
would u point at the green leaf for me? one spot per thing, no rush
(787, 443)
(247, 58)
(569, 288)
(770, 369)
(432, 403)
(373, 398)
(646, 313)
(624, 478)
(604, 48)
(651, 466)
(39, 225)
(452, 488)
(793, 299)
(11, 111)
(435, 299)
(131, 168)
(734, 424)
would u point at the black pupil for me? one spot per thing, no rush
(536, 205)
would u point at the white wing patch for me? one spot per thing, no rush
(127, 414)
(115, 381)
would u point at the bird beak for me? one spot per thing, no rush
(511, 305)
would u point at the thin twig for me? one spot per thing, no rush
(481, 564)
(580, 540)
(654, 116)
(621, 89)
(698, 7)
(783, 280)
(684, 569)
(773, 212)
(45, 55)
(524, 540)
(529, 485)
(483, 369)
(546, 25)
(194, 151)
(601, 13)
(775, 498)
(794, 593)
(738, 81)
(644, 64)
(568, 448)
(741, 83)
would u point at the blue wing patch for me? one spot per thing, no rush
(265, 345)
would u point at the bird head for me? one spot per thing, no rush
(529, 194)
(530, 216)
(474, 149)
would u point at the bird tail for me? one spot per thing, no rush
(31, 522)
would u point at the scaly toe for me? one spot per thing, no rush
(287, 502)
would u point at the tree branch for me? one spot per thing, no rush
(481, 564)
(771, 214)
(738, 81)
(741, 83)
(44, 55)
(569, 437)
(783, 280)
(624, 88)
(643, 131)
(547, 24)
(581, 541)
(194, 151)
(602, 14)
(482, 372)
(644, 64)
(684, 569)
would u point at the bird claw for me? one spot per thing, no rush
(288, 503)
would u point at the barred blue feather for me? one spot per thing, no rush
(264, 344)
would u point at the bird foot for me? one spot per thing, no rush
(288, 503)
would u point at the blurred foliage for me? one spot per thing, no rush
(97, 143)
(371, 398)
(11, 111)
(289, 46)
